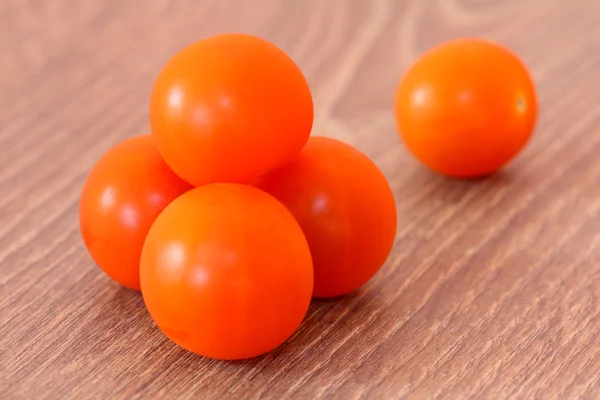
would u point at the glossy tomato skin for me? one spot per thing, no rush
(229, 108)
(345, 207)
(226, 272)
(122, 196)
(466, 108)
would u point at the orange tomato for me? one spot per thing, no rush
(466, 108)
(122, 196)
(229, 108)
(345, 208)
(226, 272)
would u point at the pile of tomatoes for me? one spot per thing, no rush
(229, 217)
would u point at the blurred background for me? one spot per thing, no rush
(82, 71)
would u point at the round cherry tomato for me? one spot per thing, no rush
(229, 108)
(466, 108)
(122, 196)
(226, 272)
(345, 208)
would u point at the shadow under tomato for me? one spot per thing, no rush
(423, 193)
(504, 175)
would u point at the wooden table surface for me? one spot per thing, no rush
(492, 289)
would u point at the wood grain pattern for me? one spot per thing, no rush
(493, 287)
